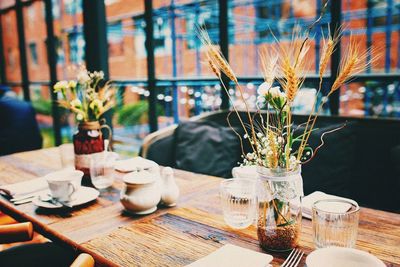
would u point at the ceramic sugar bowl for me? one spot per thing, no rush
(141, 192)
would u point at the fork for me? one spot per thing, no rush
(293, 259)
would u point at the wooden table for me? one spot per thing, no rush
(171, 236)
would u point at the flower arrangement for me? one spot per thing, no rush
(276, 146)
(272, 141)
(88, 97)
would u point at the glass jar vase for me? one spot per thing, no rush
(279, 214)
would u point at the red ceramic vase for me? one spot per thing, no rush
(87, 140)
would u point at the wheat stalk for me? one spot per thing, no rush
(269, 65)
(326, 53)
(214, 69)
(217, 73)
(215, 54)
(351, 64)
(273, 157)
(220, 63)
(292, 65)
(328, 48)
(290, 82)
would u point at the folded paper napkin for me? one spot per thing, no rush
(233, 256)
(308, 202)
(24, 188)
(134, 164)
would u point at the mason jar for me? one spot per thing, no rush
(280, 192)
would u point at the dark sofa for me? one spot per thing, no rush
(361, 161)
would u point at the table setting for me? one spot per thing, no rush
(102, 228)
(146, 185)
(334, 224)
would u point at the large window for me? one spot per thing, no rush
(76, 48)
(33, 53)
(162, 36)
(204, 16)
(60, 52)
(185, 86)
(115, 39)
(140, 36)
(73, 6)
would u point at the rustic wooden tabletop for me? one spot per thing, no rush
(171, 236)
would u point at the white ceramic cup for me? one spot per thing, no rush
(247, 172)
(63, 184)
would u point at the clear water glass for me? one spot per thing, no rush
(335, 223)
(102, 169)
(238, 199)
(67, 156)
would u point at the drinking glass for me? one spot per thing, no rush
(238, 200)
(335, 223)
(102, 169)
(67, 156)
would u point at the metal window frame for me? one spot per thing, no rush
(52, 62)
(23, 61)
(3, 73)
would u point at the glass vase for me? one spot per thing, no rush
(279, 214)
(87, 140)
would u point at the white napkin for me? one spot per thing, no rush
(308, 202)
(24, 188)
(233, 256)
(133, 164)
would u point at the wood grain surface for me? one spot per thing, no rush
(171, 236)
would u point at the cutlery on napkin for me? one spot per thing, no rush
(24, 189)
(308, 202)
(233, 256)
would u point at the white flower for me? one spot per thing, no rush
(280, 139)
(72, 84)
(275, 92)
(79, 117)
(76, 103)
(100, 74)
(83, 77)
(96, 103)
(264, 151)
(245, 136)
(259, 135)
(61, 85)
(293, 161)
(250, 156)
(264, 88)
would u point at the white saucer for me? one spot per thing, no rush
(82, 196)
(134, 164)
(342, 257)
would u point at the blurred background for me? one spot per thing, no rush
(40, 41)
